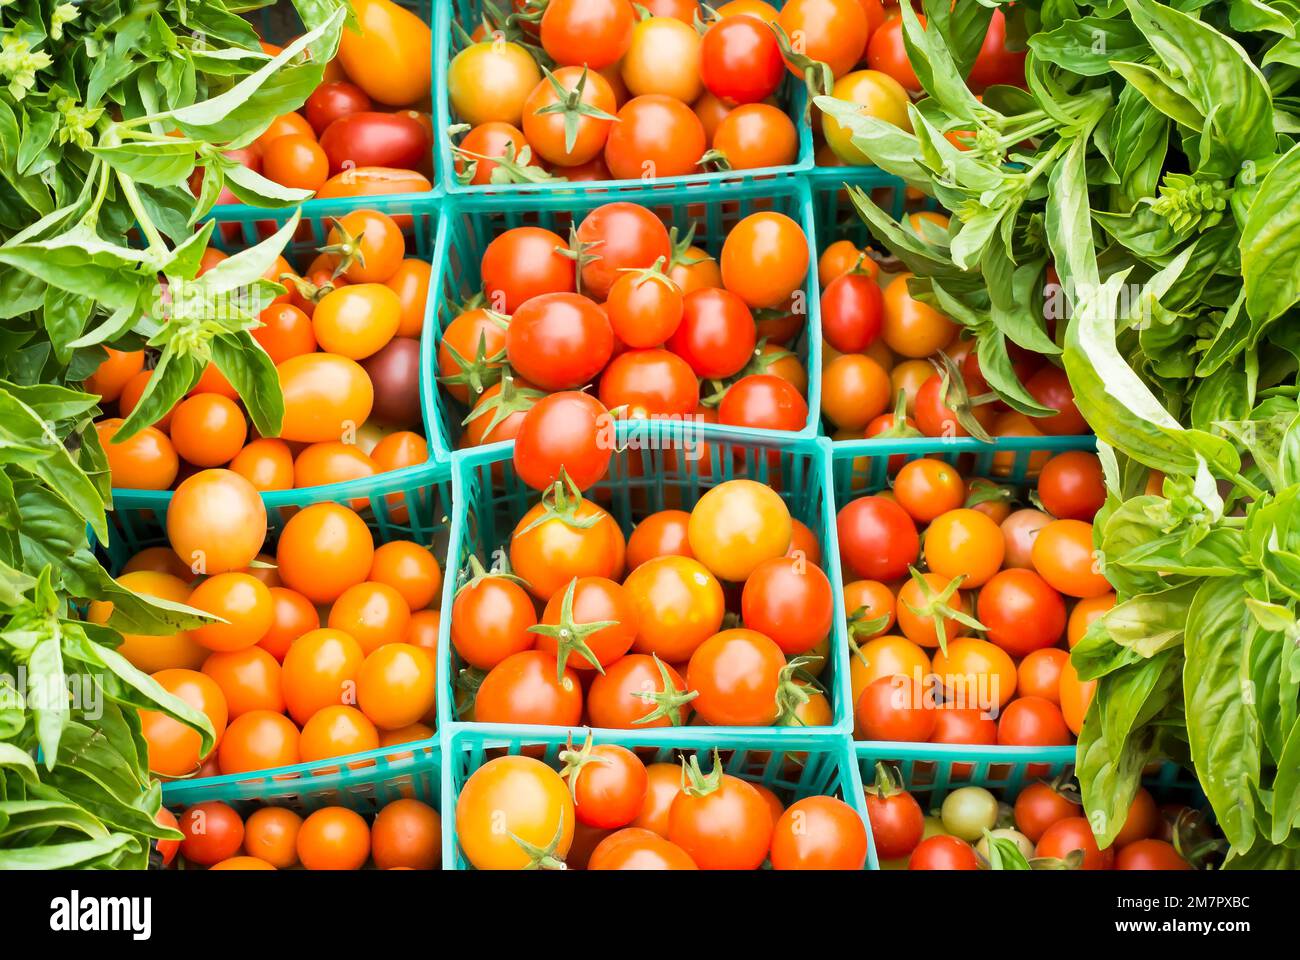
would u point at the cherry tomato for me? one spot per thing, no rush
(738, 675)
(330, 101)
(819, 833)
(663, 58)
(878, 540)
(650, 383)
(1021, 611)
(895, 708)
(855, 390)
(371, 139)
(1032, 722)
(740, 60)
(1071, 486)
(764, 259)
(577, 134)
(389, 55)
(563, 431)
(1072, 834)
(524, 688)
(897, 823)
(763, 402)
(619, 236)
(632, 695)
(594, 32)
(943, 852)
(1063, 554)
(1050, 387)
(995, 63)
(553, 544)
(831, 31)
(1039, 674)
(1040, 805)
(723, 825)
(878, 95)
(213, 832)
(679, 605)
(655, 136)
(637, 849)
(608, 784)
(789, 601)
(886, 53)
(964, 543)
(491, 80)
(756, 135)
(559, 341)
(1150, 855)
(736, 526)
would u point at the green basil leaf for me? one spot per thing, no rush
(252, 373)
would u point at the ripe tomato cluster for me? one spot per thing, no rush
(589, 90)
(326, 648)
(345, 341)
(366, 129)
(659, 326)
(405, 835)
(1046, 825)
(881, 79)
(894, 366)
(605, 809)
(979, 594)
(637, 633)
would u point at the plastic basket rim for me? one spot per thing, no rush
(444, 159)
(258, 782)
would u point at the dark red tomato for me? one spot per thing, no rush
(330, 101)
(1150, 855)
(566, 430)
(878, 540)
(1040, 805)
(1033, 722)
(936, 419)
(1021, 611)
(1071, 485)
(943, 853)
(765, 402)
(740, 60)
(559, 341)
(963, 725)
(371, 139)
(1050, 387)
(1074, 833)
(618, 236)
(886, 53)
(790, 600)
(523, 263)
(897, 823)
(995, 63)
(895, 708)
(717, 335)
(852, 306)
(650, 383)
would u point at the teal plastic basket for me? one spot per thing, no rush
(1004, 770)
(447, 43)
(860, 468)
(791, 772)
(366, 782)
(836, 217)
(415, 507)
(279, 23)
(247, 226)
(643, 480)
(470, 224)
